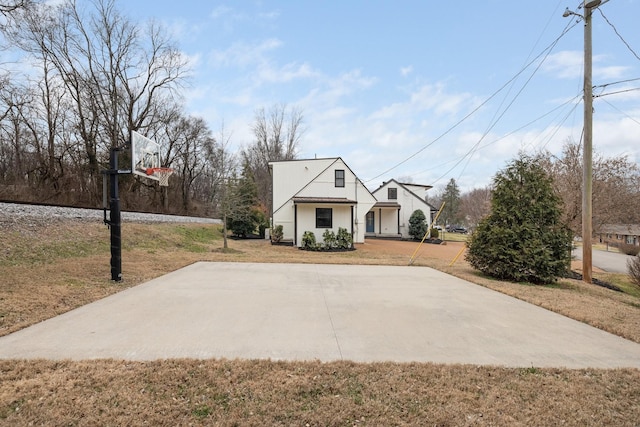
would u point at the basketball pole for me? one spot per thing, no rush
(115, 220)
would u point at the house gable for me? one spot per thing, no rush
(292, 176)
(302, 186)
(407, 199)
(404, 191)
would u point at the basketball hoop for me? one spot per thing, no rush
(162, 174)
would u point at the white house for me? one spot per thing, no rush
(316, 195)
(396, 201)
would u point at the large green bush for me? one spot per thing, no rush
(417, 224)
(246, 223)
(523, 238)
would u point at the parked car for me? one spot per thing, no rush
(456, 229)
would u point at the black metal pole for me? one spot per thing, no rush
(114, 220)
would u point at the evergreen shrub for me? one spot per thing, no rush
(523, 239)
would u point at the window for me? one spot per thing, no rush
(339, 177)
(392, 193)
(324, 218)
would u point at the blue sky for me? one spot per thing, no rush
(380, 83)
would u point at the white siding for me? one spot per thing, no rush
(388, 221)
(289, 178)
(316, 178)
(341, 217)
(409, 202)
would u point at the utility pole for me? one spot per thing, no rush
(587, 151)
(587, 157)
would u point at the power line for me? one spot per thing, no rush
(617, 92)
(618, 34)
(617, 83)
(459, 122)
(472, 151)
(474, 148)
(622, 112)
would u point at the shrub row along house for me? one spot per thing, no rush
(324, 194)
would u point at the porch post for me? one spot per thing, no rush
(352, 229)
(295, 225)
(379, 220)
(398, 215)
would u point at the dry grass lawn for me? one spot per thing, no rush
(50, 268)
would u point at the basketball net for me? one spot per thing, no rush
(162, 174)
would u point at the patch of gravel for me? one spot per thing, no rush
(15, 213)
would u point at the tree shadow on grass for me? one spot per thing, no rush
(226, 251)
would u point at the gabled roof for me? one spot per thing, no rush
(624, 229)
(307, 160)
(333, 161)
(426, 187)
(404, 187)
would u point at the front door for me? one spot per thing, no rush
(371, 223)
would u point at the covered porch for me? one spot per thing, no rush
(383, 221)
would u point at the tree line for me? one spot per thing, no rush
(87, 76)
(616, 191)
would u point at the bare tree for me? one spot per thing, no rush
(616, 194)
(117, 76)
(189, 139)
(221, 164)
(475, 205)
(14, 136)
(277, 134)
(8, 8)
(222, 179)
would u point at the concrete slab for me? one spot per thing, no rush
(324, 312)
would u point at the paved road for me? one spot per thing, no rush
(324, 312)
(613, 262)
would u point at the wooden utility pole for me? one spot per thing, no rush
(587, 157)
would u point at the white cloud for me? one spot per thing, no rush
(221, 12)
(229, 19)
(612, 72)
(269, 16)
(242, 54)
(289, 72)
(329, 92)
(565, 64)
(569, 65)
(405, 71)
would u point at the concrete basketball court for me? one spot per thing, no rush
(323, 312)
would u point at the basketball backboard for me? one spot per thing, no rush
(145, 154)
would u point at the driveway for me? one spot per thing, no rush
(324, 312)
